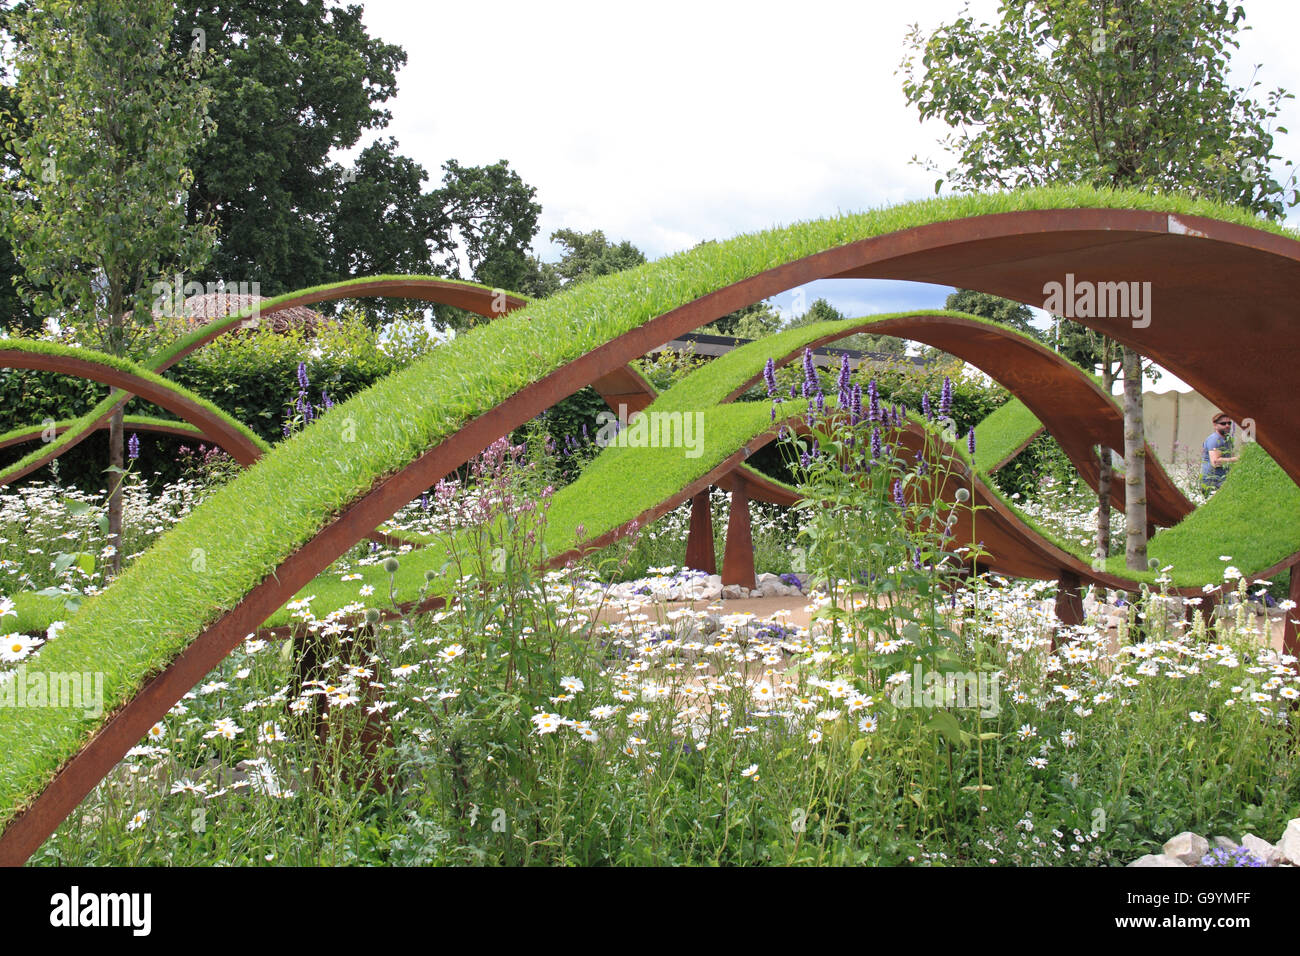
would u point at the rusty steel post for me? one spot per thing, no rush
(738, 557)
(1069, 603)
(1290, 640)
(700, 555)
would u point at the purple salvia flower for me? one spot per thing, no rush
(945, 399)
(133, 446)
(916, 559)
(875, 443)
(326, 400)
(898, 492)
(811, 385)
(844, 381)
(769, 376)
(303, 383)
(821, 405)
(926, 410)
(855, 405)
(794, 391)
(873, 394)
(970, 441)
(424, 501)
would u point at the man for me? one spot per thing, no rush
(1216, 454)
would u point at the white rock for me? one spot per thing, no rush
(1262, 849)
(1158, 859)
(1288, 848)
(733, 592)
(767, 576)
(1188, 847)
(1223, 843)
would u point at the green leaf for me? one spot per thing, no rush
(946, 724)
(856, 750)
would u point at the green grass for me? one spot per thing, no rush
(139, 421)
(247, 529)
(1254, 518)
(1002, 433)
(79, 427)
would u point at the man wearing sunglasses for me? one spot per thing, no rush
(1216, 454)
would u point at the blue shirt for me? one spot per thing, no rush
(1209, 473)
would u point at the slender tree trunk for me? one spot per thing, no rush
(1135, 553)
(1106, 461)
(116, 461)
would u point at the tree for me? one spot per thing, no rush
(488, 218)
(822, 311)
(97, 212)
(1112, 93)
(380, 224)
(1014, 315)
(754, 321)
(587, 255)
(291, 83)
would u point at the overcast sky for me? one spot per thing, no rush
(674, 122)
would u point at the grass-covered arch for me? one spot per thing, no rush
(161, 626)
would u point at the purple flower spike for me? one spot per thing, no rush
(945, 399)
(844, 381)
(875, 443)
(811, 385)
(326, 400)
(898, 493)
(769, 376)
(926, 410)
(855, 413)
(133, 446)
(970, 441)
(821, 405)
(303, 383)
(873, 410)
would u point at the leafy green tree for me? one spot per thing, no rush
(1112, 93)
(586, 255)
(380, 224)
(752, 322)
(822, 311)
(291, 82)
(492, 212)
(97, 211)
(1014, 315)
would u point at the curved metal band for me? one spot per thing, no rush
(1198, 266)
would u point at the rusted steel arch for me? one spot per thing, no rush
(1199, 258)
(480, 300)
(239, 445)
(1071, 406)
(1223, 295)
(179, 429)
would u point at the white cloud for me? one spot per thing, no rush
(671, 123)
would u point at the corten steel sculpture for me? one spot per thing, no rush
(1201, 270)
